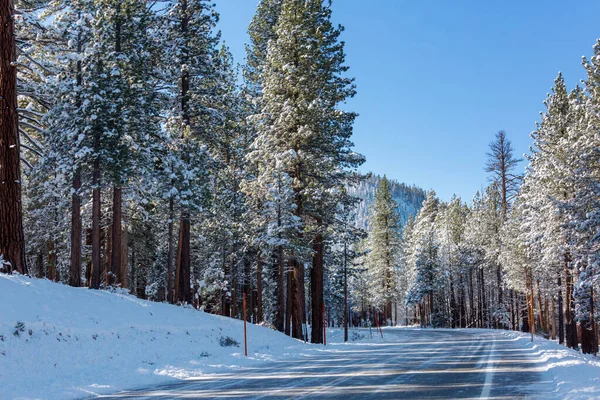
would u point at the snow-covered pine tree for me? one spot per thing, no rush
(501, 164)
(303, 85)
(384, 245)
(427, 264)
(190, 47)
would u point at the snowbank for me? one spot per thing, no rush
(575, 375)
(59, 342)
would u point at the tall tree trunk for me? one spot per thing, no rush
(281, 305)
(288, 301)
(553, 318)
(561, 317)
(182, 270)
(471, 299)
(96, 216)
(234, 283)
(41, 270)
(51, 259)
(316, 288)
(297, 299)
(541, 308)
(76, 233)
(484, 316)
(170, 252)
(571, 324)
(12, 239)
(346, 297)
(259, 268)
(76, 225)
(453, 308)
(88, 262)
(116, 238)
(124, 251)
(106, 244)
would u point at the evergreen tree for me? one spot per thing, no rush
(384, 244)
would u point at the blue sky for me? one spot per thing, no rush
(437, 79)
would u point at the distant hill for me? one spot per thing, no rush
(409, 199)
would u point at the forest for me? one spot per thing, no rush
(137, 155)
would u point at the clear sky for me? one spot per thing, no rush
(437, 79)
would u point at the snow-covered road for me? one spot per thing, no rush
(407, 364)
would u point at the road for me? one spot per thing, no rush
(410, 364)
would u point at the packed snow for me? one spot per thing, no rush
(59, 342)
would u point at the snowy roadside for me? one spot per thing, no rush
(59, 342)
(575, 375)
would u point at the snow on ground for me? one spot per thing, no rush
(59, 342)
(575, 375)
(76, 342)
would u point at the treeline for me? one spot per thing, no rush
(148, 166)
(526, 253)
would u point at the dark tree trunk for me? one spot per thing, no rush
(316, 289)
(12, 240)
(259, 268)
(571, 324)
(288, 302)
(95, 278)
(281, 305)
(453, 308)
(297, 299)
(51, 259)
(88, 263)
(182, 270)
(346, 297)
(170, 253)
(76, 239)
(471, 299)
(234, 283)
(117, 229)
(41, 270)
(484, 316)
(561, 320)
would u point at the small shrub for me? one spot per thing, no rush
(19, 328)
(356, 336)
(227, 341)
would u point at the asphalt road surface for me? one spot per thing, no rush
(411, 364)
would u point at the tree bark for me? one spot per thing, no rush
(259, 268)
(281, 305)
(12, 239)
(571, 324)
(288, 302)
(316, 288)
(116, 238)
(76, 234)
(182, 270)
(561, 320)
(95, 278)
(170, 253)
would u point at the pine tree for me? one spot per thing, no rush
(384, 243)
(301, 125)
